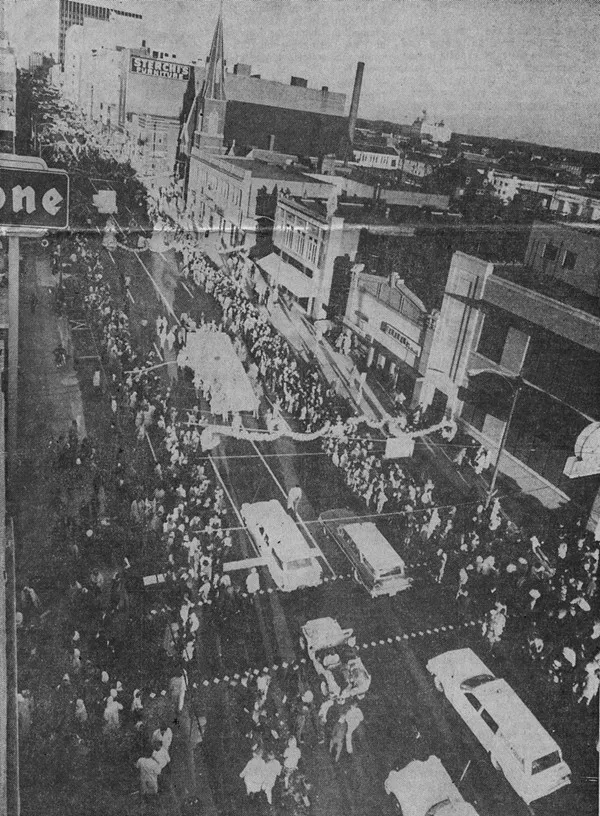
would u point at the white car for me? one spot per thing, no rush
(334, 659)
(426, 789)
(517, 743)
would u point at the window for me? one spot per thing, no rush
(478, 680)
(313, 249)
(489, 721)
(300, 241)
(473, 701)
(550, 252)
(569, 260)
(493, 335)
(545, 762)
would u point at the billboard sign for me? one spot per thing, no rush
(33, 198)
(159, 68)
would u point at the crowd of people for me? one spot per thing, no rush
(536, 597)
(545, 591)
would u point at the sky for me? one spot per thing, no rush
(523, 69)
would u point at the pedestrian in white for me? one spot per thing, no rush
(111, 712)
(591, 683)
(271, 772)
(362, 379)
(291, 758)
(254, 774)
(293, 499)
(354, 717)
(253, 582)
(164, 736)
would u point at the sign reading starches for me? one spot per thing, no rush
(160, 68)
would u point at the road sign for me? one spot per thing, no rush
(33, 198)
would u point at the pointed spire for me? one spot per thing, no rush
(214, 84)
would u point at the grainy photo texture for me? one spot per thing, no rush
(300, 407)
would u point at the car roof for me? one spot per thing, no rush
(519, 725)
(423, 784)
(373, 545)
(323, 633)
(284, 536)
(463, 663)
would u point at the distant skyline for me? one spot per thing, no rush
(521, 69)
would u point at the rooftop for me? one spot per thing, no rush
(266, 170)
(373, 148)
(549, 286)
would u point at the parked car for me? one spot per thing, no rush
(517, 743)
(424, 788)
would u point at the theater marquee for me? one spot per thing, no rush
(159, 68)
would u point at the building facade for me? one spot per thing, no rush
(73, 12)
(308, 239)
(516, 353)
(230, 194)
(8, 96)
(377, 158)
(394, 326)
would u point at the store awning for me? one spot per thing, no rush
(286, 275)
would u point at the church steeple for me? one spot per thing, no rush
(214, 84)
(211, 101)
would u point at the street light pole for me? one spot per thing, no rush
(517, 385)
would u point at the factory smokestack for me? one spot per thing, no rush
(360, 67)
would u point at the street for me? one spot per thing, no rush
(397, 636)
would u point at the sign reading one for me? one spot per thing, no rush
(160, 68)
(34, 198)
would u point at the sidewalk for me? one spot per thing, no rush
(49, 399)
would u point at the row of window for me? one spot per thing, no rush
(568, 260)
(302, 237)
(221, 188)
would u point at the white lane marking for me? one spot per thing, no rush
(130, 296)
(183, 283)
(158, 351)
(301, 521)
(158, 289)
(151, 448)
(234, 505)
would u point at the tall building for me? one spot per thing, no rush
(8, 90)
(516, 354)
(73, 12)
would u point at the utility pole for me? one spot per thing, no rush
(517, 384)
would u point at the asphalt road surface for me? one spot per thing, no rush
(396, 635)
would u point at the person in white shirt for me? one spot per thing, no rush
(164, 736)
(354, 717)
(149, 773)
(293, 499)
(291, 758)
(252, 582)
(271, 772)
(253, 774)
(160, 755)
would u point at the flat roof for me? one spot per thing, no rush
(284, 536)
(550, 286)
(262, 169)
(519, 725)
(374, 545)
(366, 148)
